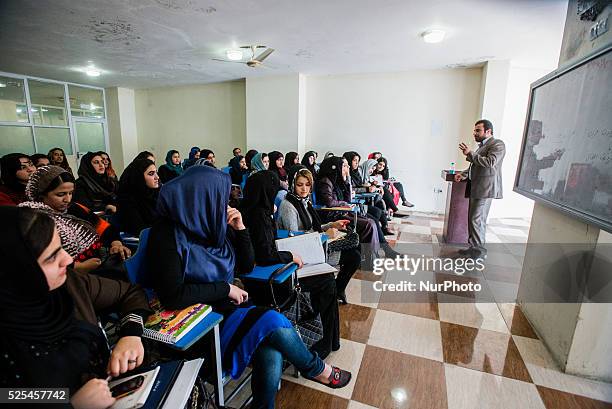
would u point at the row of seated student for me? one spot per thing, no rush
(49, 312)
(50, 189)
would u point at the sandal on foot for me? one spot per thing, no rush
(339, 378)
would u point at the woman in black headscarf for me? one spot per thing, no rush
(94, 189)
(48, 315)
(309, 160)
(333, 190)
(382, 168)
(238, 169)
(291, 158)
(277, 165)
(258, 208)
(296, 213)
(57, 157)
(138, 190)
(15, 170)
(248, 156)
(207, 154)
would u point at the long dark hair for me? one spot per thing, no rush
(36, 229)
(64, 163)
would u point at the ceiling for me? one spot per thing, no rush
(150, 43)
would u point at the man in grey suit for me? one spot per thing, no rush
(484, 178)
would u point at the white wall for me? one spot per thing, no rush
(273, 113)
(416, 119)
(511, 131)
(122, 128)
(209, 116)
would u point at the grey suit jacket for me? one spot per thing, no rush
(485, 172)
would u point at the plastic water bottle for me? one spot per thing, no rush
(451, 171)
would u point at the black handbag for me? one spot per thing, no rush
(298, 309)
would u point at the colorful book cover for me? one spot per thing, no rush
(170, 325)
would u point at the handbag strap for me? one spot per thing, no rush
(294, 291)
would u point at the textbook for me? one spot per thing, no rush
(181, 390)
(310, 250)
(137, 398)
(170, 326)
(168, 372)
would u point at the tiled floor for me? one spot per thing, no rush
(443, 350)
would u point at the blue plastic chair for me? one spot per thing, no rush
(226, 169)
(137, 264)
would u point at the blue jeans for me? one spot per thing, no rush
(268, 364)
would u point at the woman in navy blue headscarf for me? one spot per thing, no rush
(193, 256)
(194, 155)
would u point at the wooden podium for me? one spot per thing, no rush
(456, 212)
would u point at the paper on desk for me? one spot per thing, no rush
(307, 246)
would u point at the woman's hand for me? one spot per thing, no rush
(88, 265)
(234, 219)
(95, 394)
(340, 224)
(127, 354)
(237, 295)
(118, 248)
(297, 260)
(331, 232)
(111, 209)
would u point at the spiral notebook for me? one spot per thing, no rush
(170, 326)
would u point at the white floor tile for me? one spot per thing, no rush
(408, 334)
(413, 228)
(468, 389)
(361, 292)
(507, 231)
(476, 315)
(545, 372)
(348, 357)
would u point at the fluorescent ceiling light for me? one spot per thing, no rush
(19, 110)
(234, 54)
(2, 85)
(433, 36)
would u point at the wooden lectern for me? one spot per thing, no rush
(456, 213)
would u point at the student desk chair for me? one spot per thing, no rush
(137, 273)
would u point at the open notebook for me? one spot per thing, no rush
(310, 249)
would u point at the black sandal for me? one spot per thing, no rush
(339, 378)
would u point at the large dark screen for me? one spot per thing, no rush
(566, 159)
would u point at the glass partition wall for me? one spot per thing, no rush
(37, 115)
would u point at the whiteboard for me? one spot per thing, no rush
(566, 157)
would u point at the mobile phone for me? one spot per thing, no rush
(127, 387)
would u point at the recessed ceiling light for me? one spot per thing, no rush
(234, 54)
(92, 72)
(433, 36)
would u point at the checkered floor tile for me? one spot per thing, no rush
(443, 350)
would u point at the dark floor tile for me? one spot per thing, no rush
(393, 380)
(554, 399)
(420, 304)
(520, 325)
(294, 396)
(356, 322)
(483, 350)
